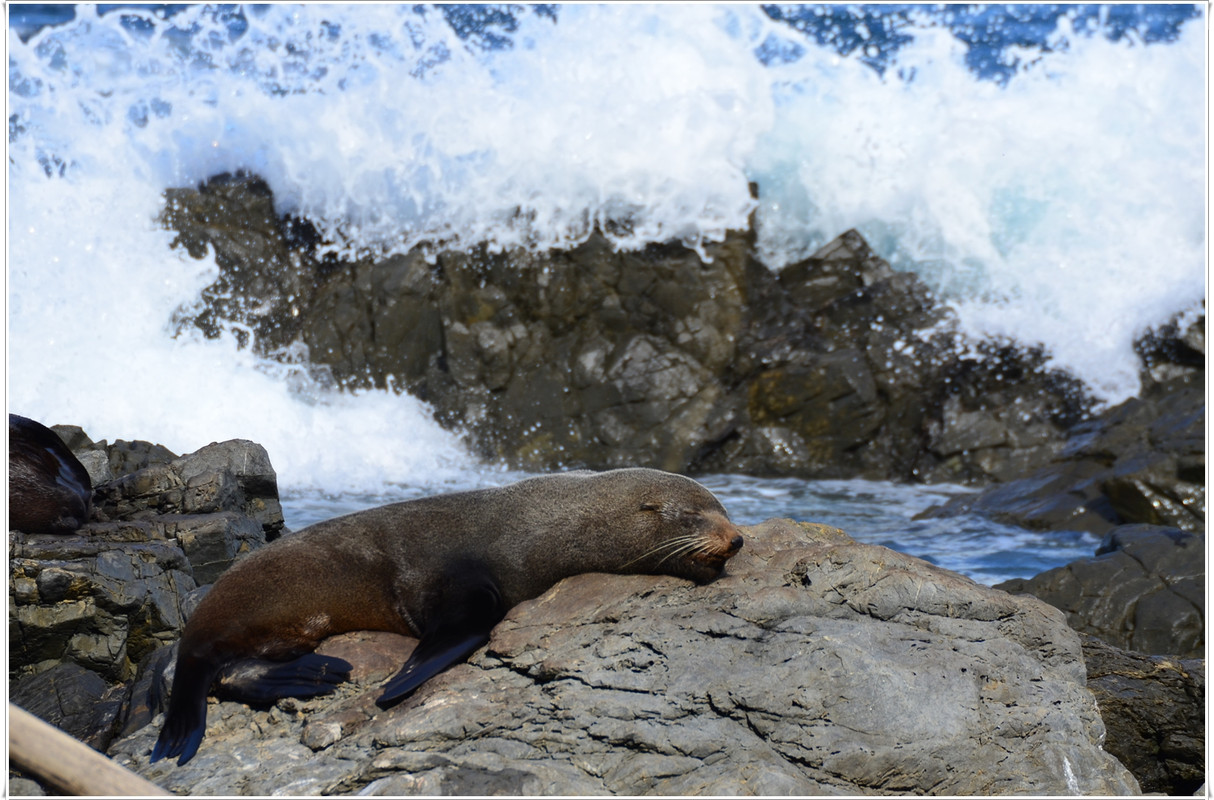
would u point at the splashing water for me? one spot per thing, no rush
(1061, 204)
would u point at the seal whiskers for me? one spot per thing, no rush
(694, 542)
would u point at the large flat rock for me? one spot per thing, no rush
(816, 665)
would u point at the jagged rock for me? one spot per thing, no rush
(1154, 714)
(80, 702)
(687, 360)
(1144, 590)
(100, 598)
(86, 608)
(1142, 461)
(816, 665)
(232, 476)
(1174, 350)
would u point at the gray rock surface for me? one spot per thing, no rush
(1144, 590)
(816, 665)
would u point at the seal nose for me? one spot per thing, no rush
(735, 543)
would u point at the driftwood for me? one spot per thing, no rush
(46, 753)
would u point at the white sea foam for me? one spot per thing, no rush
(1066, 209)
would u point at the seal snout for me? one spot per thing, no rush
(723, 542)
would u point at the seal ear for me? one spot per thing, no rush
(468, 605)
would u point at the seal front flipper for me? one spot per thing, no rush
(469, 603)
(432, 656)
(257, 681)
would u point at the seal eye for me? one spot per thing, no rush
(651, 507)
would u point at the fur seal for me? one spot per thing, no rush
(445, 569)
(49, 490)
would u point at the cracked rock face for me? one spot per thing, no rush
(1144, 590)
(687, 360)
(816, 665)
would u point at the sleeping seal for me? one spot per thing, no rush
(445, 569)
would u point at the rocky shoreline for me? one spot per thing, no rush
(803, 670)
(858, 635)
(835, 367)
(817, 665)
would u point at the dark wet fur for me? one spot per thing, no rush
(49, 490)
(254, 681)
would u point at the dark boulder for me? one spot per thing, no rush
(1144, 590)
(79, 701)
(232, 476)
(1153, 709)
(1142, 461)
(685, 359)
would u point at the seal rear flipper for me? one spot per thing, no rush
(179, 737)
(434, 654)
(260, 682)
(186, 720)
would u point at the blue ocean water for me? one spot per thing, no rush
(1041, 166)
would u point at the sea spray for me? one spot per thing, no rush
(1064, 208)
(1061, 206)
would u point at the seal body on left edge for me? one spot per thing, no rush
(445, 569)
(49, 490)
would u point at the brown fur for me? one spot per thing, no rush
(388, 568)
(49, 490)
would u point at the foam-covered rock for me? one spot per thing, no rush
(691, 360)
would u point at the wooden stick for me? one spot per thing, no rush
(67, 765)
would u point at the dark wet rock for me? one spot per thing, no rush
(1144, 590)
(106, 461)
(234, 217)
(1154, 714)
(232, 476)
(99, 599)
(1174, 350)
(75, 700)
(687, 360)
(816, 665)
(86, 608)
(1142, 461)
